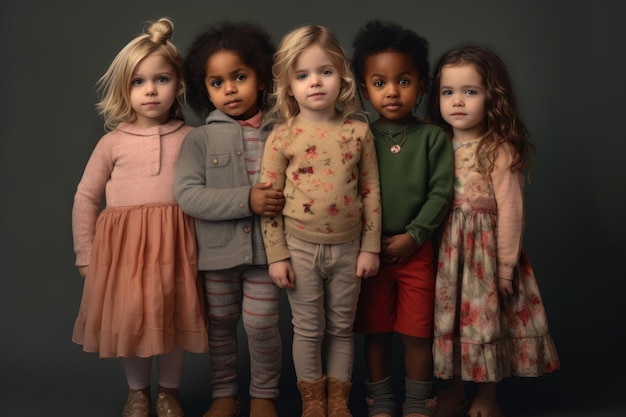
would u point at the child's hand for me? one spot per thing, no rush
(505, 287)
(282, 274)
(82, 270)
(264, 201)
(367, 264)
(397, 249)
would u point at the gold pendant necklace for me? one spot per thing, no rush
(395, 147)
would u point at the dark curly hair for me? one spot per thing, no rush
(377, 36)
(252, 43)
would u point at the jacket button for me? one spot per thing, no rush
(246, 229)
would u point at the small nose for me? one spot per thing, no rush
(457, 100)
(230, 87)
(392, 90)
(151, 89)
(316, 80)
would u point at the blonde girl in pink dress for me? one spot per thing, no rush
(141, 297)
(490, 321)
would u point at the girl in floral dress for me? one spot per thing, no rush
(490, 321)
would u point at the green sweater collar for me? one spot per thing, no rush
(393, 129)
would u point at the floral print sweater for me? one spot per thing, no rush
(329, 176)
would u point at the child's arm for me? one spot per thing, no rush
(367, 264)
(282, 274)
(369, 190)
(87, 201)
(266, 201)
(273, 172)
(508, 189)
(273, 169)
(82, 270)
(397, 249)
(440, 188)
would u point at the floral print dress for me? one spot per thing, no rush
(477, 335)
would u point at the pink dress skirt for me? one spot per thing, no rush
(142, 293)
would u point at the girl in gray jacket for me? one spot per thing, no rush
(228, 72)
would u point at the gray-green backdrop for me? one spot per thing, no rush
(567, 62)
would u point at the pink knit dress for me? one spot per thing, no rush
(141, 295)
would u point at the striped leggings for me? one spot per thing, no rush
(246, 289)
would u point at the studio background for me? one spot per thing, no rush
(567, 60)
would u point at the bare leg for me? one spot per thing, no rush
(378, 355)
(418, 358)
(486, 390)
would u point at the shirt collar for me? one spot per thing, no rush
(254, 121)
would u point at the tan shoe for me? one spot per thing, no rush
(338, 395)
(263, 407)
(224, 407)
(314, 402)
(167, 405)
(137, 404)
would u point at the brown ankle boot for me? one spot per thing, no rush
(313, 398)
(338, 395)
(263, 407)
(224, 407)
(137, 404)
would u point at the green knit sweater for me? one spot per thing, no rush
(416, 182)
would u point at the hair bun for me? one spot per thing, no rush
(161, 30)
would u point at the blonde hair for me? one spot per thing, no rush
(285, 107)
(114, 86)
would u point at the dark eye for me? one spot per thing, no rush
(240, 77)
(379, 84)
(137, 82)
(404, 82)
(446, 92)
(300, 76)
(471, 92)
(327, 71)
(216, 84)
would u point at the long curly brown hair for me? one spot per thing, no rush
(503, 123)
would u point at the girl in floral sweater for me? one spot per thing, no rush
(328, 235)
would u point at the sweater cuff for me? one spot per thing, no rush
(83, 259)
(368, 245)
(418, 237)
(277, 253)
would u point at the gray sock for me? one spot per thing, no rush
(380, 397)
(416, 397)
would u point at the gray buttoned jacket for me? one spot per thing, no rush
(212, 185)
